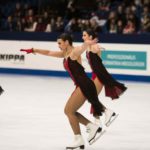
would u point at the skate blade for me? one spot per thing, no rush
(74, 148)
(98, 135)
(112, 119)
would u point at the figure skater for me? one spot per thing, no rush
(102, 77)
(85, 89)
(1, 90)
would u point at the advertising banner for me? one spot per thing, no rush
(125, 60)
(121, 59)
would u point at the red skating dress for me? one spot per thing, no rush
(113, 88)
(87, 86)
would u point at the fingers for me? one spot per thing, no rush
(91, 42)
(95, 40)
(27, 50)
(102, 48)
(22, 50)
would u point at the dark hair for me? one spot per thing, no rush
(66, 37)
(92, 33)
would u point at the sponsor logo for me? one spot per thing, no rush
(15, 58)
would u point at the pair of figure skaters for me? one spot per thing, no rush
(86, 88)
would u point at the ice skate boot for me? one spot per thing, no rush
(110, 116)
(98, 121)
(95, 132)
(78, 143)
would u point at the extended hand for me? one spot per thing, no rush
(28, 51)
(97, 47)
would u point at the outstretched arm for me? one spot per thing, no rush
(58, 54)
(80, 49)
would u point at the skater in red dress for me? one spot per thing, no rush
(85, 89)
(101, 76)
(1, 90)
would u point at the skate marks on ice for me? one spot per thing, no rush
(31, 116)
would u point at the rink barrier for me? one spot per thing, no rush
(104, 38)
(126, 56)
(137, 78)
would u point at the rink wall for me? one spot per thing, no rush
(124, 60)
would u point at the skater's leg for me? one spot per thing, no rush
(74, 103)
(84, 121)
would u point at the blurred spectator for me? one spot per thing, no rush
(146, 2)
(121, 13)
(129, 28)
(46, 17)
(72, 26)
(106, 16)
(29, 14)
(95, 26)
(103, 8)
(120, 27)
(87, 24)
(9, 24)
(31, 25)
(59, 26)
(111, 22)
(40, 26)
(145, 26)
(71, 10)
(112, 26)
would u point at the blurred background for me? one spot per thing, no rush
(104, 16)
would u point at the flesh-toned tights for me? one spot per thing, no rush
(75, 101)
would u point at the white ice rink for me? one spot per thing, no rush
(32, 115)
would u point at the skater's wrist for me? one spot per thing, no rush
(33, 50)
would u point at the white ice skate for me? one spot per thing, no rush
(95, 132)
(78, 143)
(110, 116)
(98, 122)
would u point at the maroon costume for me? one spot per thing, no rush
(113, 88)
(86, 85)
